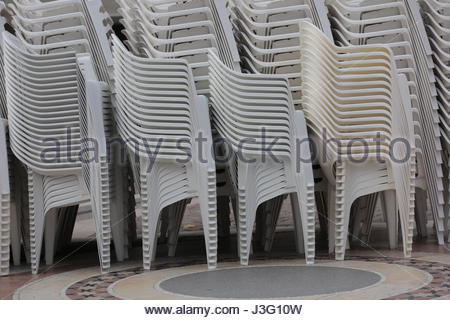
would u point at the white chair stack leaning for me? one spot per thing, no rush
(436, 15)
(354, 96)
(247, 110)
(267, 34)
(172, 29)
(12, 181)
(42, 106)
(160, 117)
(5, 190)
(68, 27)
(394, 23)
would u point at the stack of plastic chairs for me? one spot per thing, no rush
(5, 201)
(10, 234)
(157, 110)
(94, 100)
(5, 193)
(3, 108)
(42, 106)
(187, 29)
(267, 33)
(355, 96)
(436, 15)
(180, 29)
(397, 24)
(57, 31)
(183, 29)
(242, 106)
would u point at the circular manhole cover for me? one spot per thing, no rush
(269, 282)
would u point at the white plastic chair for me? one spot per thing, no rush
(395, 24)
(3, 109)
(174, 29)
(42, 96)
(5, 196)
(436, 15)
(10, 235)
(5, 202)
(147, 93)
(360, 97)
(242, 105)
(267, 33)
(83, 26)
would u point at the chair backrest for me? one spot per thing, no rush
(67, 25)
(154, 101)
(195, 26)
(249, 110)
(352, 93)
(42, 101)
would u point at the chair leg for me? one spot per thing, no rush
(223, 217)
(21, 218)
(5, 233)
(118, 212)
(129, 205)
(389, 204)
(102, 211)
(271, 224)
(224, 224)
(298, 227)
(164, 225)
(357, 219)
(208, 210)
(322, 213)
(150, 217)
(37, 215)
(117, 232)
(51, 221)
(421, 213)
(365, 213)
(307, 215)
(176, 213)
(25, 225)
(366, 227)
(263, 216)
(235, 205)
(70, 215)
(247, 210)
(15, 233)
(406, 205)
(331, 200)
(343, 207)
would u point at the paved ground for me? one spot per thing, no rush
(364, 275)
(75, 274)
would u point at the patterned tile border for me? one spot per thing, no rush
(437, 288)
(96, 287)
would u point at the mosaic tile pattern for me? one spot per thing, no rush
(437, 288)
(96, 287)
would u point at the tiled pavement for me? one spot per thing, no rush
(88, 285)
(96, 287)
